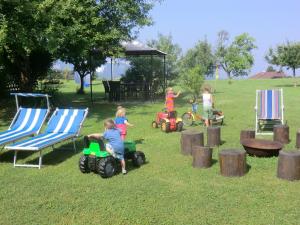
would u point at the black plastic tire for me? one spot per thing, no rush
(154, 124)
(165, 126)
(187, 119)
(138, 158)
(106, 167)
(84, 164)
(179, 126)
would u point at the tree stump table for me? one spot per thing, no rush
(202, 156)
(281, 133)
(213, 136)
(232, 163)
(247, 134)
(189, 138)
(298, 139)
(289, 165)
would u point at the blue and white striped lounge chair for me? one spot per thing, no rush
(269, 110)
(64, 124)
(27, 121)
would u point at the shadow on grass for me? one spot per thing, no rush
(52, 157)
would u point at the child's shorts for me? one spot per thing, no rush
(116, 154)
(207, 113)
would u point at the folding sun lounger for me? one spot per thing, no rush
(269, 110)
(64, 124)
(27, 121)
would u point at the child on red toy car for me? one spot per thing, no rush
(170, 96)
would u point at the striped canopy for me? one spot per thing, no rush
(269, 104)
(64, 124)
(27, 122)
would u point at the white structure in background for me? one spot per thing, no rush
(86, 79)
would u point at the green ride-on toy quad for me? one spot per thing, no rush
(96, 159)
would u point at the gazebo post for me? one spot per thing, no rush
(165, 73)
(111, 68)
(91, 87)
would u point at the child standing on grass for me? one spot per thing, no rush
(115, 145)
(207, 106)
(122, 122)
(170, 96)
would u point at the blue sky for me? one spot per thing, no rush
(269, 22)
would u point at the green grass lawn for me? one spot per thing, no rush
(167, 190)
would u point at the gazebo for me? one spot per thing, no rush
(133, 49)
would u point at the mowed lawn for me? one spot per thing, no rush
(167, 190)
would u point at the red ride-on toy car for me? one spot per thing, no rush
(168, 121)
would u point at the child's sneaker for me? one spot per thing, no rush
(124, 171)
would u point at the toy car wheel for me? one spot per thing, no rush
(154, 124)
(165, 126)
(106, 167)
(179, 126)
(187, 119)
(138, 158)
(84, 164)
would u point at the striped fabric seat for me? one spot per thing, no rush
(64, 124)
(27, 121)
(269, 110)
(270, 105)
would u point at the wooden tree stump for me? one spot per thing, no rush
(298, 139)
(232, 163)
(189, 138)
(281, 133)
(289, 165)
(213, 136)
(202, 156)
(247, 134)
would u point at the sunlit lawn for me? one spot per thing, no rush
(167, 190)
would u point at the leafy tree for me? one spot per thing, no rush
(271, 69)
(285, 55)
(165, 44)
(150, 69)
(23, 44)
(235, 58)
(193, 78)
(201, 55)
(85, 33)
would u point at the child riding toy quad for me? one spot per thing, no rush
(96, 159)
(168, 121)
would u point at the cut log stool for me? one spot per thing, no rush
(247, 134)
(298, 139)
(189, 138)
(213, 136)
(289, 165)
(232, 163)
(202, 156)
(281, 133)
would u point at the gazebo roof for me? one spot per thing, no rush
(136, 48)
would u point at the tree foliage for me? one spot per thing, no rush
(165, 44)
(151, 69)
(34, 33)
(193, 78)
(200, 55)
(235, 58)
(285, 55)
(85, 33)
(23, 42)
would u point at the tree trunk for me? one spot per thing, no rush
(232, 163)
(281, 134)
(289, 165)
(294, 71)
(189, 138)
(81, 89)
(202, 156)
(213, 136)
